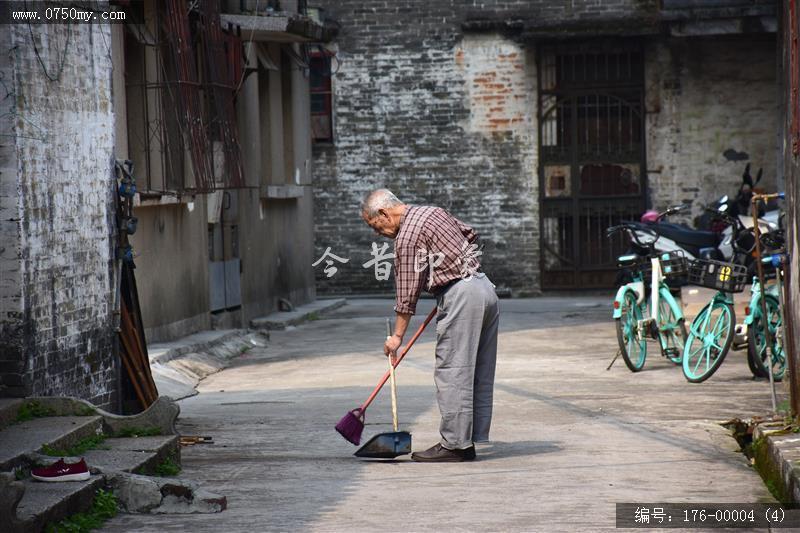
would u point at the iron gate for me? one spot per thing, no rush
(591, 157)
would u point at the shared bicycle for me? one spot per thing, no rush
(663, 320)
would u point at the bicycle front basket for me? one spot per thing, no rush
(673, 264)
(725, 277)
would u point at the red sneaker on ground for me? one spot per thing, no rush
(61, 471)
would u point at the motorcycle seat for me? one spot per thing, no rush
(683, 235)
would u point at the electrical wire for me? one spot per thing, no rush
(247, 54)
(102, 36)
(39, 57)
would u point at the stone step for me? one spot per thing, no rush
(303, 313)
(44, 503)
(133, 454)
(57, 431)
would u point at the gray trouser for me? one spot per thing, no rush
(466, 351)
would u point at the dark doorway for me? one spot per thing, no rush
(591, 157)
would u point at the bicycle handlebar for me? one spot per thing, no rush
(759, 197)
(631, 229)
(673, 210)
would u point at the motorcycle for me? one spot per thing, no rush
(693, 243)
(740, 207)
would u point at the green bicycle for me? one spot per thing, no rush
(664, 320)
(711, 332)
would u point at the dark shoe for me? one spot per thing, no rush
(440, 454)
(61, 471)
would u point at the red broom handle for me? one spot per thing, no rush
(399, 358)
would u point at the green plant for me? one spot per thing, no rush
(77, 449)
(104, 507)
(22, 473)
(33, 409)
(85, 410)
(138, 432)
(168, 467)
(769, 471)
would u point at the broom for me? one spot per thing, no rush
(352, 424)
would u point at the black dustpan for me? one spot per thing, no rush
(386, 446)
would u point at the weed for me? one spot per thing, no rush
(22, 473)
(85, 410)
(33, 409)
(783, 407)
(138, 432)
(312, 316)
(769, 472)
(168, 467)
(76, 450)
(104, 507)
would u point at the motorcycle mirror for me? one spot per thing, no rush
(746, 178)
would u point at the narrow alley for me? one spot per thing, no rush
(569, 438)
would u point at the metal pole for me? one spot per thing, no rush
(760, 269)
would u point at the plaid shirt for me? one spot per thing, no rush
(431, 249)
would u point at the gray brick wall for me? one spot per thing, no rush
(712, 107)
(446, 115)
(56, 160)
(440, 119)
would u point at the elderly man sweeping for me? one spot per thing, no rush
(437, 252)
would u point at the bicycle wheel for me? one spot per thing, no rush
(757, 343)
(632, 344)
(672, 330)
(710, 338)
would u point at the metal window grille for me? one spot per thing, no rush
(181, 77)
(591, 156)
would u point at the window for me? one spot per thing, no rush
(154, 140)
(321, 98)
(181, 71)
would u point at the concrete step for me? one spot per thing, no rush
(302, 313)
(133, 454)
(57, 431)
(43, 503)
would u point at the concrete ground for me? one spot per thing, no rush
(569, 438)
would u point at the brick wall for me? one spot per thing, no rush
(438, 103)
(712, 107)
(440, 118)
(56, 181)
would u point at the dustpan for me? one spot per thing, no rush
(388, 445)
